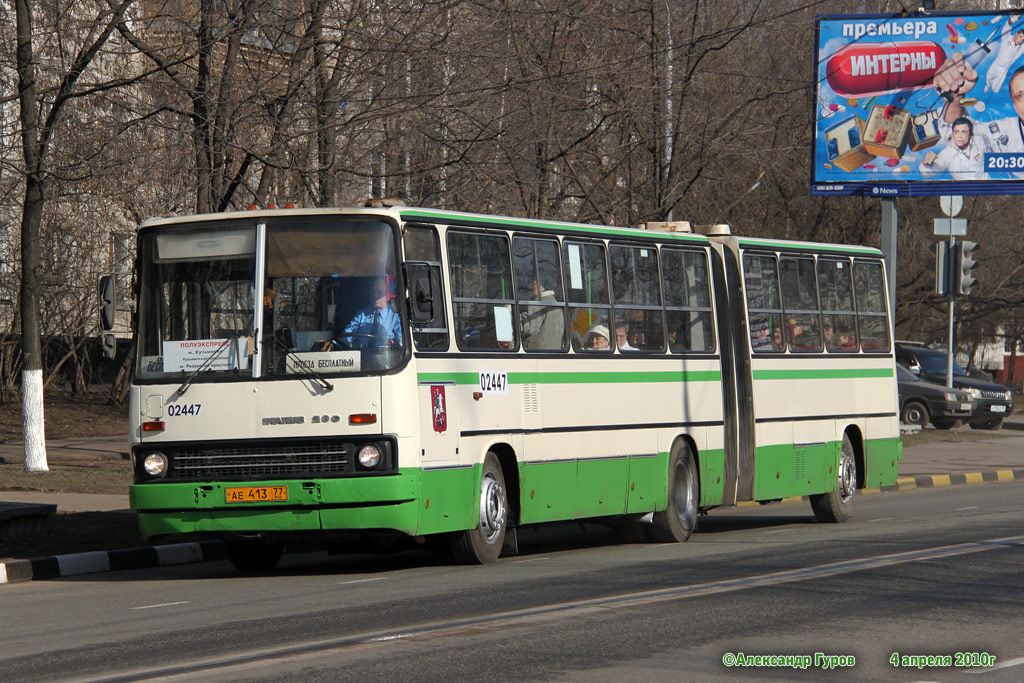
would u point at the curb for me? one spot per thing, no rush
(110, 560)
(929, 481)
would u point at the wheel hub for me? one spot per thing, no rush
(492, 509)
(847, 477)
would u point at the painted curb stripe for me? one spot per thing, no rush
(110, 560)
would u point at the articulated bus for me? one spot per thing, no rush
(345, 376)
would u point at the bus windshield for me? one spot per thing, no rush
(329, 301)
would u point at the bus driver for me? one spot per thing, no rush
(377, 324)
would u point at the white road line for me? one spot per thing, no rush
(778, 531)
(532, 559)
(1001, 665)
(973, 507)
(346, 583)
(881, 519)
(163, 604)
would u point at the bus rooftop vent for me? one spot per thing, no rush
(716, 230)
(668, 226)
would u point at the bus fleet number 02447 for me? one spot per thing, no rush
(493, 382)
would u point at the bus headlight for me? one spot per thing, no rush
(369, 456)
(155, 464)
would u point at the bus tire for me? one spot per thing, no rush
(482, 544)
(837, 505)
(254, 556)
(677, 521)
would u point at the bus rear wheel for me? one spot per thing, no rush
(837, 505)
(677, 521)
(482, 544)
(254, 556)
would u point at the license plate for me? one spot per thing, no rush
(998, 409)
(256, 494)
(965, 406)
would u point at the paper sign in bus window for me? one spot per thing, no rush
(575, 267)
(503, 324)
(192, 354)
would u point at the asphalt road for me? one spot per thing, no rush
(915, 573)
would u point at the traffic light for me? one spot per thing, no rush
(940, 255)
(964, 266)
(109, 346)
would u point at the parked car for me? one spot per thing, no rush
(992, 402)
(922, 402)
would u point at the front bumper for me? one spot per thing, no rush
(955, 410)
(986, 409)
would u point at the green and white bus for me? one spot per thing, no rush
(333, 375)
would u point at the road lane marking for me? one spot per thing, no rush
(223, 664)
(532, 559)
(881, 519)
(973, 507)
(163, 604)
(778, 531)
(347, 583)
(1001, 665)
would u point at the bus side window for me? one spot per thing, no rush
(586, 285)
(764, 309)
(482, 296)
(835, 286)
(687, 300)
(639, 324)
(539, 293)
(800, 301)
(869, 295)
(427, 304)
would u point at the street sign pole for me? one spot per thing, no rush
(951, 205)
(952, 302)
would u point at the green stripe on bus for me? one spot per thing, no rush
(577, 377)
(526, 223)
(836, 373)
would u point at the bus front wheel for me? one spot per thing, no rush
(837, 505)
(482, 544)
(676, 522)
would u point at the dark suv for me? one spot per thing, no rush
(992, 402)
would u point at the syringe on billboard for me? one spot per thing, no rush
(929, 104)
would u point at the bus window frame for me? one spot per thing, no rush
(709, 291)
(614, 317)
(499, 232)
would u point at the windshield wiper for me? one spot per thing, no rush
(305, 369)
(203, 368)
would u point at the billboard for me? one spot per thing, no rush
(917, 105)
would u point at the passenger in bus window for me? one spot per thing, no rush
(847, 342)
(377, 325)
(596, 338)
(543, 327)
(621, 340)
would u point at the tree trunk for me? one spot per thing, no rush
(32, 357)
